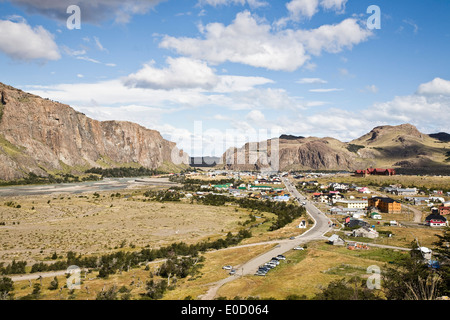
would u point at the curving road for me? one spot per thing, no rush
(321, 226)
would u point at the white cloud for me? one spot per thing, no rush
(186, 73)
(437, 86)
(336, 5)
(308, 8)
(20, 41)
(312, 81)
(245, 41)
(325, 90)
(99, 45)
(251, 41)
(333, 38)
(302, 8)
(256, 116)
(181, 73)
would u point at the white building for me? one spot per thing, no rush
(353, 204)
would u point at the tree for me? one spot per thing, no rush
(54, 285)
(155, 290)
(342, 289)
(6, 286)
(36, 290)
(443, 256)
(412, 279)
(110, 294)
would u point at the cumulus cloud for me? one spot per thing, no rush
(186, 73)
(437, 86)
(333, 38)
(244, 41)
(20, 41)
(302, 8)
(336, 5)
(181, 73)
(299, 9)
(251, 41)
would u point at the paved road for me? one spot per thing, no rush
(321, 226)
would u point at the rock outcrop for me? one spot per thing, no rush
(41, 136)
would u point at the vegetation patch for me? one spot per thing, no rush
(354, 148)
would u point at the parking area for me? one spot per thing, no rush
(273, 263)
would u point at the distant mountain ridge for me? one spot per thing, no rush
(41, 136)
(403, 147)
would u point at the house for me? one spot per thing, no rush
(444, 210)
(437, 199)
(405, 191)
(222, 186)
(436, 220)
(345, 211)
(339, 186)
(281, 198)
(260, 187)
(335, 240)
(418, 200)
(375, 171)
(363, 190)
(376, 216)
(302, 224)
(359, 204)
(353, 223)
(385, 204)
(365, 233)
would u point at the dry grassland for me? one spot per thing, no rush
(88, 224)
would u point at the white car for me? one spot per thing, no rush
(299, 248)
(227, 267)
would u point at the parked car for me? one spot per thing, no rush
(227, 267)
(281, 257)
(299, 248)
(232, 272)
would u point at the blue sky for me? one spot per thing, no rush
(210, 74)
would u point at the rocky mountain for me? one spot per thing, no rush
(42, 136)
(400, 146)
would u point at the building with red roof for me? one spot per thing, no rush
(375, 171)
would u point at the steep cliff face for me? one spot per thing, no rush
(294, 153)
(38, 135)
